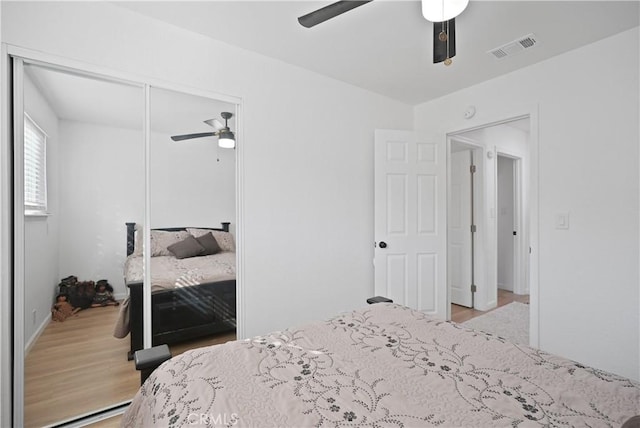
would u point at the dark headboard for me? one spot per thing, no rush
(131, 233)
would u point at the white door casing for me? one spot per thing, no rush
(459, 229)
(410, 199)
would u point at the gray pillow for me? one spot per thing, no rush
(188, 247)
(209, 243)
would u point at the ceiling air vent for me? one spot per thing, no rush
(512, 48)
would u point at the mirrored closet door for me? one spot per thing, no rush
(80, 151)
(192, 206)
(125, 234)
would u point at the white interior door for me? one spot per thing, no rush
(459, 243)
(410, 258)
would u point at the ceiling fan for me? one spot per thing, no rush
(441, 12)
(226, 138)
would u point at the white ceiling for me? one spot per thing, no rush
(385, 46)
(93, 100)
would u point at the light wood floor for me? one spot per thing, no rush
(461, 314)
(77, 367)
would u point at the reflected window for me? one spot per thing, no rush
(35, 168)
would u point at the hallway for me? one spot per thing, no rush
(461, 314)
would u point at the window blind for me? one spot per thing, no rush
(35, 171)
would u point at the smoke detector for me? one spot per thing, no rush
(512, 48)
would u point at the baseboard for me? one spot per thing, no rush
(490, 305)
(505, 287)
(47, 320)
(36, 335)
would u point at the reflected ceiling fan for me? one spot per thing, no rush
(226, 139)
(441, 12)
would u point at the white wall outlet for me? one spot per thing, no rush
(562, 221)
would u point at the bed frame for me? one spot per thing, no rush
(183, 313)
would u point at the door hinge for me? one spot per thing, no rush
(473, 169)
(473, 288)
(473, 228)
(515, 233)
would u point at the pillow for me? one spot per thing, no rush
(224, 239)
(162, 239)
(138, 242)
(189, 247)
(209, 243)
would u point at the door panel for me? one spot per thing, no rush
(408, 204)
(396, 223)
(460, 248)
(427, 204)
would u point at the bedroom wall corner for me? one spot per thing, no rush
(41, 233)
(102, 176)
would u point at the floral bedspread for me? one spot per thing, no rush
(382, 366)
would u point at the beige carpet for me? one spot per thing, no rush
(509, 321)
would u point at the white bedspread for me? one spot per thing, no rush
(382, 366)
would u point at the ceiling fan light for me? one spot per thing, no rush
(226, 140)
(442, 10)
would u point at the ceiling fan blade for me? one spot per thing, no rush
(447, 48)
(215, 123)
(189, 136)
(328, 12)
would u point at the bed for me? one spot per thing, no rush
(383, 365)
(191, 297)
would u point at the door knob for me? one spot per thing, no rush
(382, 244)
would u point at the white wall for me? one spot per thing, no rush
(192, 183)
(305, 148)
(41, 233)
(587, 106)
(102, 187)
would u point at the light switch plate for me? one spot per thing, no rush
(562, 221)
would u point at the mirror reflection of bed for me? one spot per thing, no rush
(193, 285)
(192, 195)
(96, 184)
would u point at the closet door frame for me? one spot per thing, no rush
(12, 221)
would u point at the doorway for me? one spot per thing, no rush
(500, 218)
